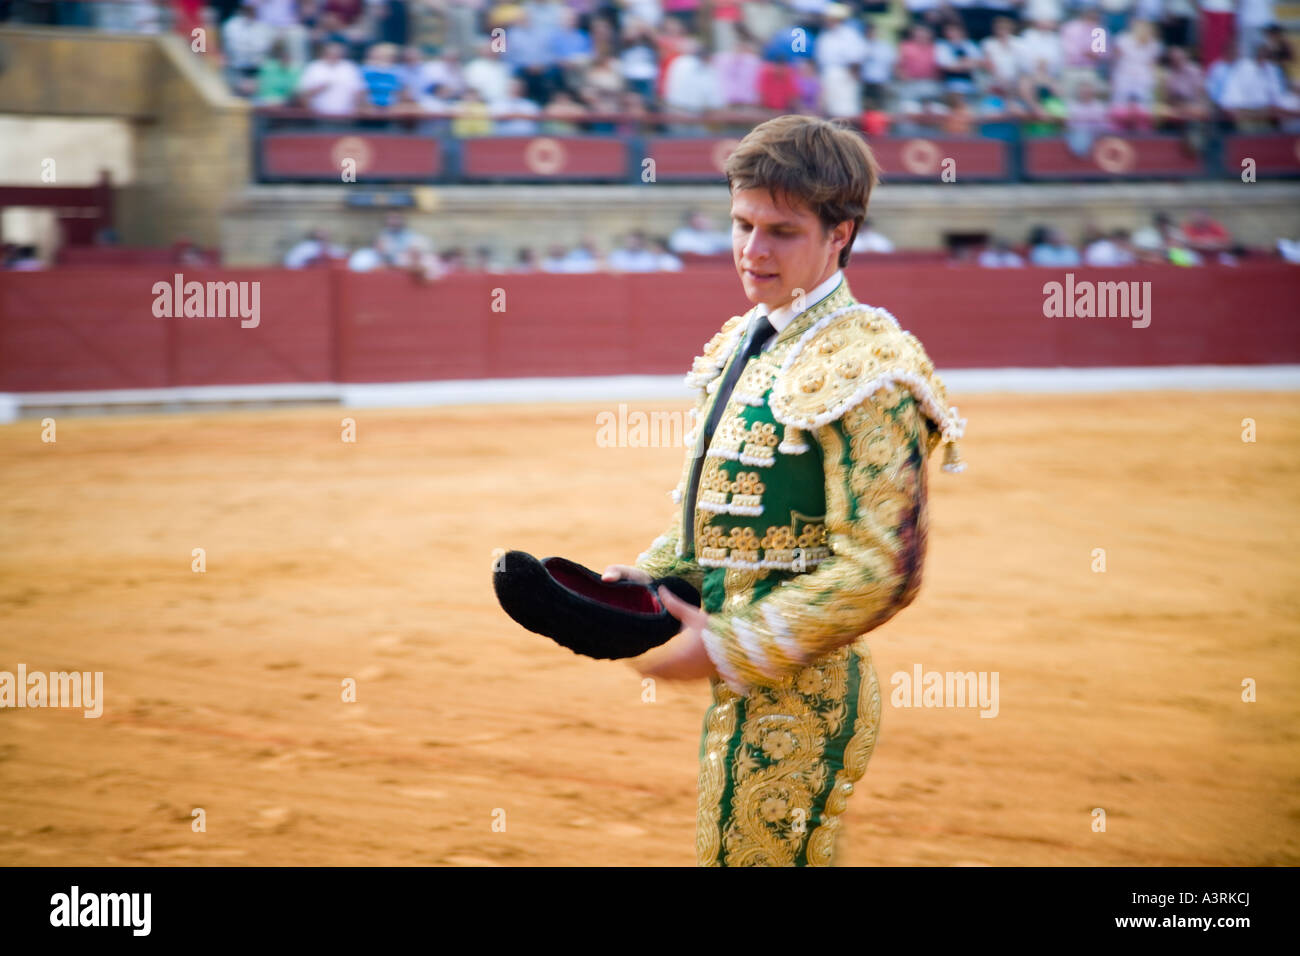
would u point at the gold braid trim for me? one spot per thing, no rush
(857, 753)
(721, 724)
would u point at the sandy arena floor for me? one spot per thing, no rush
(326, 560)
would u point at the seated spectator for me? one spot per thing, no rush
(917, 69)
(482, 260)
(957, 58)
(1152, 243)
(605, 76)
(840, 50)
(957, 118)
(561, 115)
(453, 261)
(555, 259)
(385, 80)
(697, 236)
(247, 42)
(640, 58)
(875, 121)
(397, 239)
(998, 254)
(778, 86)
(689, 84)
(518, 106)
(870, 240)
(1205, 234)
(525, 260)
(314, 249)
(412, 70)
(1048, 248)
(1041, 94)
(665, 261)
(277, 81)
(1216, 76)
(331, 85)
(1111, 250)
(584, 257)
(737, 73)
(1182, 90)
(634, 255)
(810, 87)
(285, 20)
(1133, 78)
(365, 259)
(1250, 88)
(1002, 53)
(443, 71)
(487, 74)
(473, 117)
(1082, 61)
(877, 64)
(571, 49)
(1040, 44)
(1086, 118)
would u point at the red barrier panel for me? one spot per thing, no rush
(1112, 156)
(1272, 154)
(925, 159)
(96, 329)
(543, 157)
(372, 155)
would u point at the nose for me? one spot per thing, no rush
(755, 248)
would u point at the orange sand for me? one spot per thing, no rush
(326, 560)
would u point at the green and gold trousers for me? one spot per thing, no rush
(777, 765)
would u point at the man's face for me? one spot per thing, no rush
(779, 249)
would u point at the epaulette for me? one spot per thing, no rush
(709, 363)
(847, 356)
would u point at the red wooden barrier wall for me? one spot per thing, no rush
(93, 329)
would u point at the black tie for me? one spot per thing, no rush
(757, 337)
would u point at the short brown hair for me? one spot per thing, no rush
(828, 166)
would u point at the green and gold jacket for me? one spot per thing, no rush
(810, 520)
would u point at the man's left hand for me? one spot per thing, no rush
(684, 657)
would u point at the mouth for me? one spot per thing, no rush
(759, 276)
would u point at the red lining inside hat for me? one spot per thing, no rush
(638, 600)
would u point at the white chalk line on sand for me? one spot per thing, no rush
(14, 405)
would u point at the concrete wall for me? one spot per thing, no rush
(190, 136)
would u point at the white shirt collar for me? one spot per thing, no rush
(784, 315)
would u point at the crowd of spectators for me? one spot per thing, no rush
(552, 66)
(528, 66)
(398, 246)
(1200, 239)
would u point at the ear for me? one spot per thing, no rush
(841, 233)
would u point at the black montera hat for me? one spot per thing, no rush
(573, 606)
